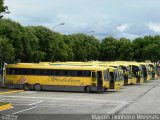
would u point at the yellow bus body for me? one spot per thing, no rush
(149, 70)
(96, 63)
(117, 83)
(131, 79)
(116, 65)
(18, 80)
(139, 79)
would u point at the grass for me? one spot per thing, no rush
(3, 103)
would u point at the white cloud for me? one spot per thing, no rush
(154, 26)
(122, 27)
(120, 19)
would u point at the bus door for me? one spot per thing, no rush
(125, 74)
(99, 80)
(136, 72)
(112, 80)
(141, 72)
(94, 78)
(144, 70)
(153, 71)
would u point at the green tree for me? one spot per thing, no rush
(50, 43)
(147, 48)
(14, 32)
(6, 50)
(3, 8)
(61, 53)
(152, 48)
(6, 53)
(32, 48)
(138, 48)
(80, 52)
(125, 49)
(85, 47)
(109, 49)
(69, 41)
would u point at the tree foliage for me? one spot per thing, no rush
(38, 43)
(6, 51)
(3, 8)
(125, 49)
(109, 49)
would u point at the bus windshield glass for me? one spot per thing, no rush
(105, 75)
(116, 75)
(111, 76)
(123, 67)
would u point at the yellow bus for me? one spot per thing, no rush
(111, 64)
(119, 80)
(128, 74)
(119, 71)
(137, 71)
(127, 81)
(62, 78)
(115, 78)
(154, 72)
(147, 70)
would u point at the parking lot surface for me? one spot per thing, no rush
(132, 99)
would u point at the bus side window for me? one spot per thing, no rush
(99, 76)
(106, 75)
(8, 71)
(13, 71)
(93, 74)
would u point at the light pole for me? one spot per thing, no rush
(57, 25)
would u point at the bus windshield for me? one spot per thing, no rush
(111, 76)
(105, 75)
(116, 75)
(123, 67)
(135, 69)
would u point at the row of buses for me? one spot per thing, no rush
(77, 76)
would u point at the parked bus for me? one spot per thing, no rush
(128, 74)
(118, 78)
(147, 70)
(127, 81)
(137, 71)
(154, 72)
(115, 78)
(62, 78)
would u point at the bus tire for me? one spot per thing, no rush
(26, 86)
(37, 87)
(88, 89)
(105, 89)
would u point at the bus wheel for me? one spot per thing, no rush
(37, 87)
(88, 89)
(27, 86)
(105, 89)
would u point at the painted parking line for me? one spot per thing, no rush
(36, 103)
(8, 92)
(25, 110)
(22, 102)
(30, 101)
(118, 108)
(61, 98)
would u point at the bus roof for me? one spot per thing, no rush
(42, 66)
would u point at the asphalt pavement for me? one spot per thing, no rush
(132, 99)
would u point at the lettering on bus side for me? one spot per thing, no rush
(62, 79)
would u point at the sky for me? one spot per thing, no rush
(117, 18)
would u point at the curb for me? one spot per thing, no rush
(1, 93)
(6, 107)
